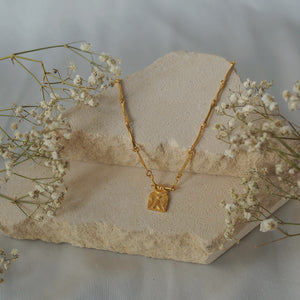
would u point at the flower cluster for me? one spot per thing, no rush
(255, 124)
(37, 131)
(43, 141)
(293, 98)
(246, 206)
(254, 120)
(5, 260)
(101, 77)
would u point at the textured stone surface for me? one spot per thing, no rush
(167, 102)
(106, 208)
(106, 205)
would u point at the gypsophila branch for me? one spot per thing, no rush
(255, 125)
(43, 142)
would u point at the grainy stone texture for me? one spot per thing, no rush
(167, 102)
(106, 208)
(106, 203)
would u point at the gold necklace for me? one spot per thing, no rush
(158, 200)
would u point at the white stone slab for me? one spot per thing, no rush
(106, 208)
(167, 102)
(106, 205)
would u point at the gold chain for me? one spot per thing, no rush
(191, 151)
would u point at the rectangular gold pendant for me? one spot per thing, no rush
(158, 200)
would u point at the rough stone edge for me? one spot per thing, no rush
(100, 150)
(124, 242)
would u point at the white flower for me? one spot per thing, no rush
(115, 70)
(218, 109)
(111, 61)
(19, 110)
(267, 99)
(92, 79)
(92, 102)
(295, 97)
(247, 215)
(233, 98)
(249, 92)
(231, 123)
(85, 46)
(54, 196)
(228, 221)
(74, 94)
(43, 104)
(246, 83)
(292, 171)
(39, 188)
(223, 133)
(67, 135)
(99, 75)
(54, 96)
(250, 200)
(229, 153)
(243, 100)
(14, 126)
(293, 105)
(77, 80)
(250, 124)
(266, 126)
(31, 194)
(60, 107)
(103, 57)
(286, 95)
(285, 130)
(72, 66)
(224, 105)
(50, 213)
(230, 207)
(5, 265)
(248, 108)
(278, 169)
(296, 87)
(33, 113)
(268, 225)
(54, 155)
(14, 252)
(273, 106)
(8, 164)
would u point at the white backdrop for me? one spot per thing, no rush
(261, 36)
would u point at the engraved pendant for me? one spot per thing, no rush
(158, 200)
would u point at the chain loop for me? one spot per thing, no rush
(136, 148)
(149, 173)
(191, 151)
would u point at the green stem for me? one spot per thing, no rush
(27, 70)
(25, 150)
(18, 205)
(286, 145)
(39, 49)
(271, 214)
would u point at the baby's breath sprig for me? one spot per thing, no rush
(38, 130)
(255, 125)
(6, 260)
